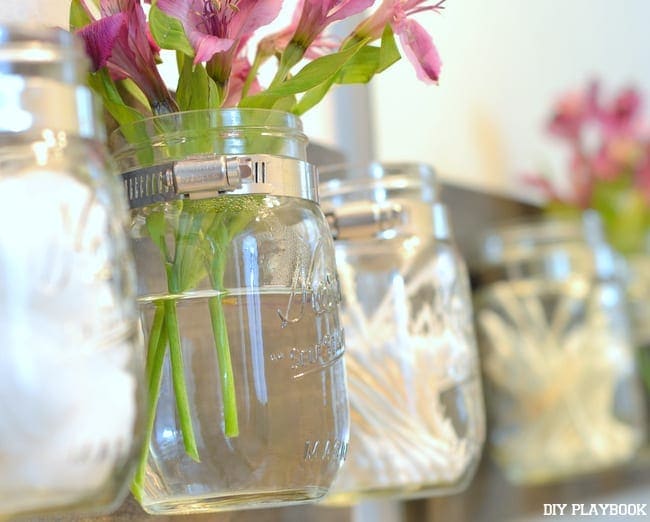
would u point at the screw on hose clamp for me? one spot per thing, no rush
(193, 177)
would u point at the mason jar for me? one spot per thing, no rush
(239, 301)
(413, 374)
(71, 357)
(558, 357)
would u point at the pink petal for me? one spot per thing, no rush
(254, 14)
(188, 12)
(420, 50)
(207, 46)
(570, 113)
(345, 8)
(100, 36)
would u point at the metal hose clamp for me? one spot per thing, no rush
(209, 175)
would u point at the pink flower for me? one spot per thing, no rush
(120, 40)
(621, 116)
(216, 26)
(570, 114)
(416, 42)
(276, 43)
(316, 15)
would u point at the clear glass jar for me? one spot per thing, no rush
(413, 373)
(562, 389)
(240, 304)
(71, 356)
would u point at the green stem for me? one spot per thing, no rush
(178, 380)
(251, 75)
(155, 360)
(220, 235)
(290, 57)
(220, 333)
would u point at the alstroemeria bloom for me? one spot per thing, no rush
(416, 42)
(316, 15)
(120, 40)
(276, 43)
(215, 26)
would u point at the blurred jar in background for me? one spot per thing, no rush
(70, 353)
(562, 389)
(413, 374)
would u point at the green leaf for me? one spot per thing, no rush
(312, 97)
(624, 212)
(168, 32)
(388, 53)
(370, 60)
(285, 104)
(103, 85)
(78, 16)
(311, 75)
(135, 92)
(360, 68)
(195, 90)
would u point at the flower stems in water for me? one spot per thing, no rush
(178, 380)
(201, 238)
(155, 360)
(218, 319)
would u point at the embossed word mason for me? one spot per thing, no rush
(320, 288)
(325, 450)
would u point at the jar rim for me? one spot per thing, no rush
(344, 179)
(516, 236)
(232, 118)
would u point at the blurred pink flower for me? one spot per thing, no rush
(572, 111)
(605, 140)
(622, 115)
(416, 42)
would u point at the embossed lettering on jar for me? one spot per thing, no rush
(239, 300)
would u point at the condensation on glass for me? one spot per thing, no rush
(413, 373)
(71, 356)
(558, 358)
(240, 304)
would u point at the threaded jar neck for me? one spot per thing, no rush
(174, 136)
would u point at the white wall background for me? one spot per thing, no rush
(505, 61)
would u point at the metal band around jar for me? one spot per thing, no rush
(361, 220)
(209, 175)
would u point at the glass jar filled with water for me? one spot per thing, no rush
(413, 373)
(562, 389)
(240, 304)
